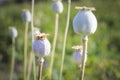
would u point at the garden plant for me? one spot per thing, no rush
(82, 44)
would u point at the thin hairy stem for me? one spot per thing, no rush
(32, 56)
(29, 66)
(32, 26)
(65, 37)
(34, 67)
(54, 43)
(85, 40)
(13, 59)
(25, 50)
(40, 64)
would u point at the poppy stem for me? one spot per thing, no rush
(40, 64)
(65, 37)
(13, 59)
(25, 50)
(54, 43)
(85, 40)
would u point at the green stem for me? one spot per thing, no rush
(32, 56)
(32, 26)
(65, 37)
(40, 68)
(31, 61)
(54, 43)
(25, 50)
(85, 40)
(29, 66)
(34, 67)
(13, 59)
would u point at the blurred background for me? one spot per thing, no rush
(103, 47)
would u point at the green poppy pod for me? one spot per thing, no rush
(41, 46)
(85, 21)
(13, 32)
(77, 54)
(26, 15)
(57, 6)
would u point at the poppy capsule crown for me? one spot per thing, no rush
(85, 21)
(57, 6)
(41, 46)
(13, 32)
(41, 36)
(78, 48)
(77, 55)
(26, 15)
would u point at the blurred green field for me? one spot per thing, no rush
(103, 47)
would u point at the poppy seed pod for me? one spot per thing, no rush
(26, 15)
(85, 21)
(13, 32)
(77, 54)
(41, 46)
(57, 6)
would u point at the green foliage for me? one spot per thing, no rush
(103, 46)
